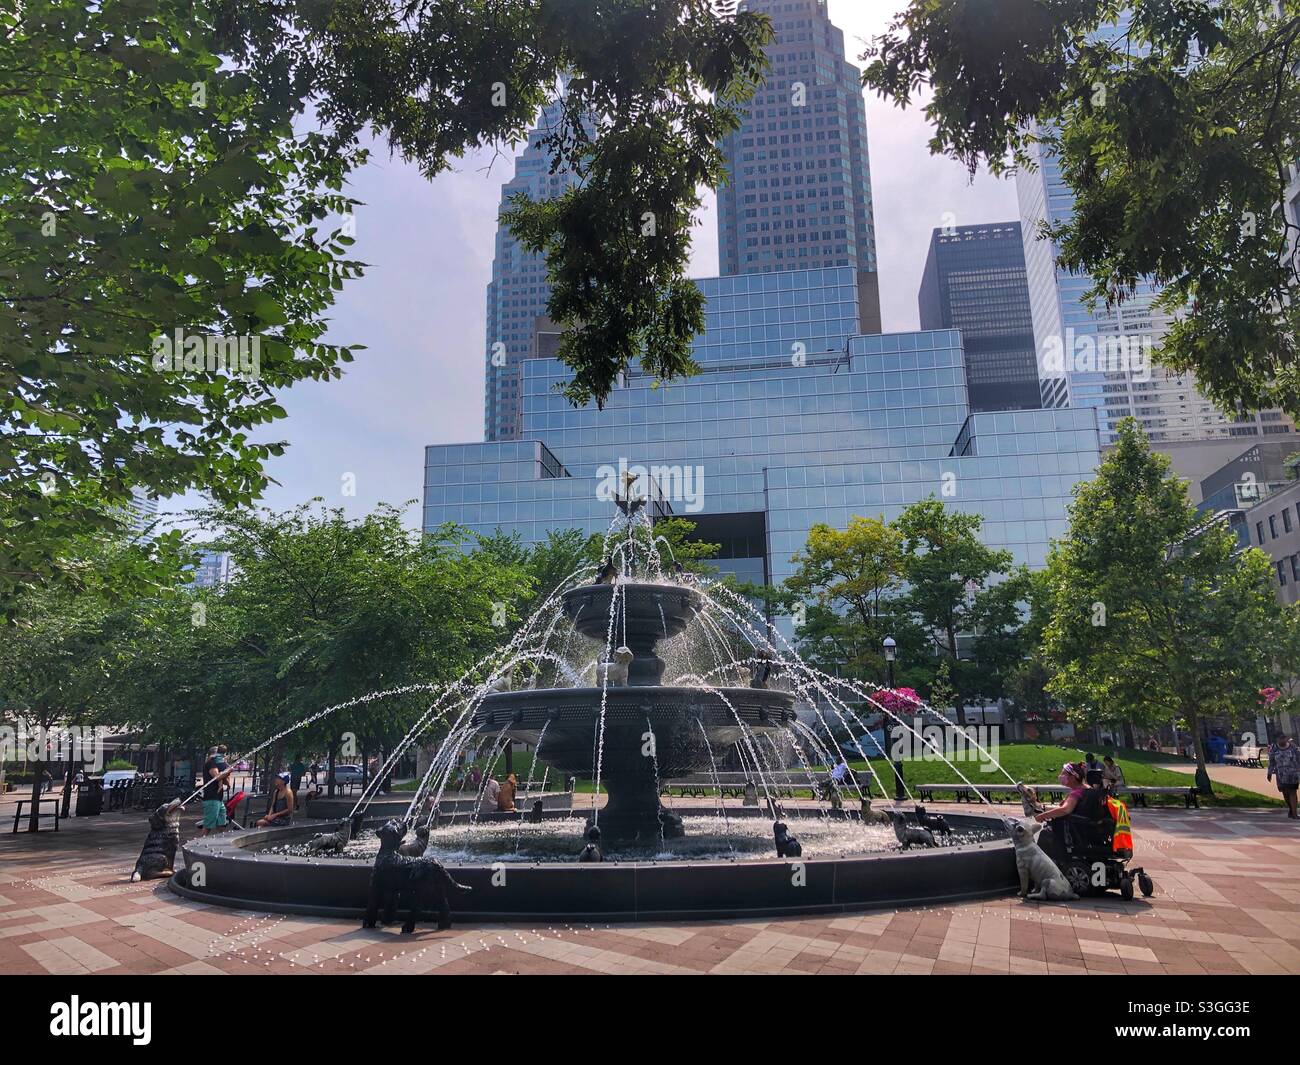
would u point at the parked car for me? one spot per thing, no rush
(348, 774)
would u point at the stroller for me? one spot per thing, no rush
(1083, 846)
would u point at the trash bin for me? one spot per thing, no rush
(90, 797)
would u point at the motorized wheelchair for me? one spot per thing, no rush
(1082, 845)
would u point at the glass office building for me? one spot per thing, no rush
(974, 281)
(770, 437)
(799, 197)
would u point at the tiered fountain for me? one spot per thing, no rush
(629, 732)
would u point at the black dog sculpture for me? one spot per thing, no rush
(334, 842)
(417, 846)
(158, 855)
(419, 885)
(787, 846)
(911, 835)
(592, 852)
(536, 816)
(934, 822)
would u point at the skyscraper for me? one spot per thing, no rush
(518, 292)
(1105, 354)
(799, 197)
(974, 280)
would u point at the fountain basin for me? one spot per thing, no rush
(236, 874)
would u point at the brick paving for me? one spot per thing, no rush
(1227, 901)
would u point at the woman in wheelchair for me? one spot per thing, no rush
(1072, 776)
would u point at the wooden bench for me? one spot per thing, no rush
(18, 815)
(1190, 796)
(1245, 757)
(732, 785)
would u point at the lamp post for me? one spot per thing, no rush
(891, 652)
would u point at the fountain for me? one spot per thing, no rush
(644, 675)
(646, 731)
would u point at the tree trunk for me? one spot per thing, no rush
(1203, 783)
(34, 821)
(1130, 740)
(67, 786)
(329, 769)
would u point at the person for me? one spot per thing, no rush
(841, 772)
(506, 794)
(1112, 775)
(296, 772)
(491, 793)
(47, 782)
(475, 776)
(1284, 763)
(1072, 776)
(1153, 745)
(215, 775)
(280, 813)
(314, 770)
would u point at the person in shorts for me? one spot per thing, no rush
(215, 775)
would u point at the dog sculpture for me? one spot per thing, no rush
(417, 846)
(787, 846)
(158, 855)
(911, 835)
(607, 574)
(592, 852)
(874, 817)
(934, 822)
(334, 842)
(1035, 865)
(614, 674)
(419, 885)
(1029, 800)
(536, 816)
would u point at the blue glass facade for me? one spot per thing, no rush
(766, 441)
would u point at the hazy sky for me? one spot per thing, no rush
(420, 308)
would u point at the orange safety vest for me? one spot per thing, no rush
(1123, 839)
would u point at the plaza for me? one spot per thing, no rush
(1227, 903)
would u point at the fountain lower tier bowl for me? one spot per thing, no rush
(636, 737)
(239, 870)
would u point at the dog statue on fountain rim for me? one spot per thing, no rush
(418, 845)
(1036, 865)
(334, 842)
(158, 855)
(613, 674)
(787, 846)
(911, 835)
(420, 885)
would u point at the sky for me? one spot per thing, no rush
(420, 308)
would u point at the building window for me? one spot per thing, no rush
(1286, 521)
(1281, 574)
(1295, 567)
(1272, 526)
(1259, 532)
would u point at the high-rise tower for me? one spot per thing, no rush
(518, 292)
(799, 197)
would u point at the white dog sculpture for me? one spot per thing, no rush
(1034, 864)
(614, 674)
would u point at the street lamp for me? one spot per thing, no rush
(891, 652)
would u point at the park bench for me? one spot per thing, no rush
(732, 785)
(18, 814)
(1189, 795)
(1245, 757)
(1008, 793)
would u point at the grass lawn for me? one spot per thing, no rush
(1040, 763)
(1031, 762)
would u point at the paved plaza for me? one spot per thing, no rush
(1227, 901)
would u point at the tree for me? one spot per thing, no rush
(1175, 125)
(321, 610)
(146, 189)
(951, 578)
(160, 185)
(1155, 613)
(53, 658)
